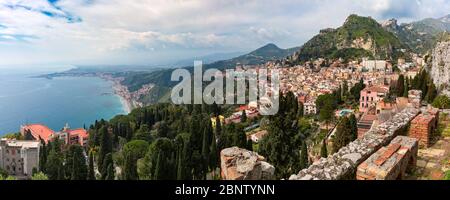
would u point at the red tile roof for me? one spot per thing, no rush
(80, 132)
(40, 131)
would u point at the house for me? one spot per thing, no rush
(371, 95)
(256, 137)
(19, 157)
(76, 136)
(38, 131)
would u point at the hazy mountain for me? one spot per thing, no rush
(419, 36)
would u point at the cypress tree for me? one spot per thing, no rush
(105, 148)
(243, 117)
(304, 163)
(213, 154)
(400, 85)
(91, 172)
(105, 174)
(323, 149)
(79, 167)
(353, 128)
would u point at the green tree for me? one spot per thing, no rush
(91, 170)
(107, 172)
(132, 152)
(243, 117)
(442, 102)
(400, 85)
(353, 128)
(342, 135)
(323, 149)
(54, 165)
(304, 161)
(105, 148)
(78, 169)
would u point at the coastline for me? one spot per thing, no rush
(122, 92)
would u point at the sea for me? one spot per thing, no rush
(77, 101)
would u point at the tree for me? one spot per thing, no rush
(54, 165)
(213, 154)
(431, 93)
(243, 117)
(442, 102)
(43, 155)
(133, 151)
(304, 162)
(78, 166)
(400, 85)
(105, 148)
(353, 128)
(91, 170)
(342, 135)
(107, 172)
(39, 176)
(323, 149)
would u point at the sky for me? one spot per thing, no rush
(153, 32)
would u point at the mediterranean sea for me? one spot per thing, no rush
(78, 101)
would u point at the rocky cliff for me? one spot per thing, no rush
(440, 67)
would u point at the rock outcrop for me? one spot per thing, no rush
(440, 69)
(241, 164)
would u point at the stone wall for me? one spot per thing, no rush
(242, 164)
(342, 165)
(390, 162)
(440, 67)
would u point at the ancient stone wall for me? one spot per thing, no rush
(390, 162)
(241, 164)
(343, 164)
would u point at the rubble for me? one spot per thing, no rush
(241, 164)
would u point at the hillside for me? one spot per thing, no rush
(161, 78)
(419, 36)
(361, 36)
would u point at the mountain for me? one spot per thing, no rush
(207, 59)
(161, 78)
(357, 37)
(419, 36)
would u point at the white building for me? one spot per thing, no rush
(19, 157)
(374, 65)
(309, 108)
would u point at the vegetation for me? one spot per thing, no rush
(337, 43)
(283, 145)
(442, 102)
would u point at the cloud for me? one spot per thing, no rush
(153, 31)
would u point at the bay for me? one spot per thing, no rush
(78, 101)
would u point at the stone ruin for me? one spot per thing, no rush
(423, 126)
(415, 98)
(241, 164)
(391, 162)
(343, 164)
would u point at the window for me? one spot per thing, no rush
(7, 151)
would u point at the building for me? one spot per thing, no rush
(309, 108)
(76, 136)
(370, 96)
(374, 65)
(38, 131)
(19, 157)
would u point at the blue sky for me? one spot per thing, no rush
(38, 32)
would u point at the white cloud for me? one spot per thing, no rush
(149, 31)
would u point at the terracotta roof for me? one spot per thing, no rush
(40, 131)
(376, 88)
(80, 132)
